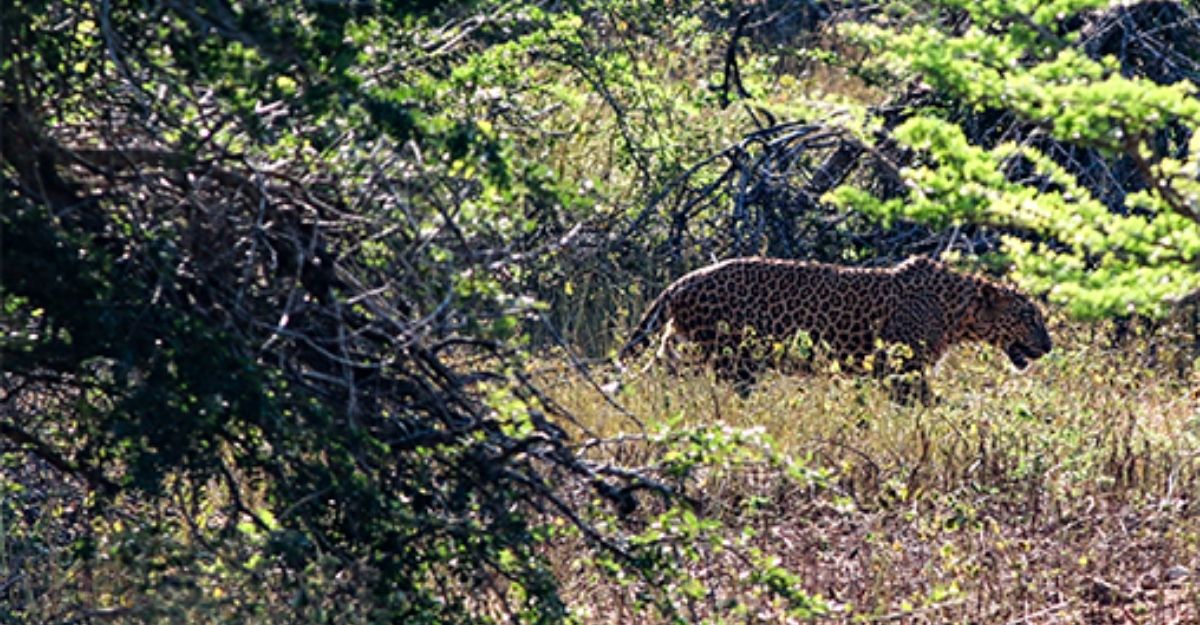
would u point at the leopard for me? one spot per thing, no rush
(896, 322)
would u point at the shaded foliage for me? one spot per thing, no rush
(249, 262)
(272, 271)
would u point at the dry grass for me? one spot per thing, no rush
(1064, 495)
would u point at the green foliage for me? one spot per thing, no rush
(1096, 259)
(272, 275)
(267, 267)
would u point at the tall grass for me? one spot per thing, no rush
(1066, 494)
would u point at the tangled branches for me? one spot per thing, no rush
(199, 310)
(767, 199)
(763, 194)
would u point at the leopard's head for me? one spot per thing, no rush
(1010, 321)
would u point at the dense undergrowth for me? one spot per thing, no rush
(1061, 495)
(305, 311)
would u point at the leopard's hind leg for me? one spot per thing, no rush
(667, 352)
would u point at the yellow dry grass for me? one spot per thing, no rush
(1066, 494)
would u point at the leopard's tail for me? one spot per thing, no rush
(651, 321)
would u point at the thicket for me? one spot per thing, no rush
(273, 273)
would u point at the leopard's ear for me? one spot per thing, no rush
(990, 301)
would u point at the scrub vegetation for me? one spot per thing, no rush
(308, 311)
